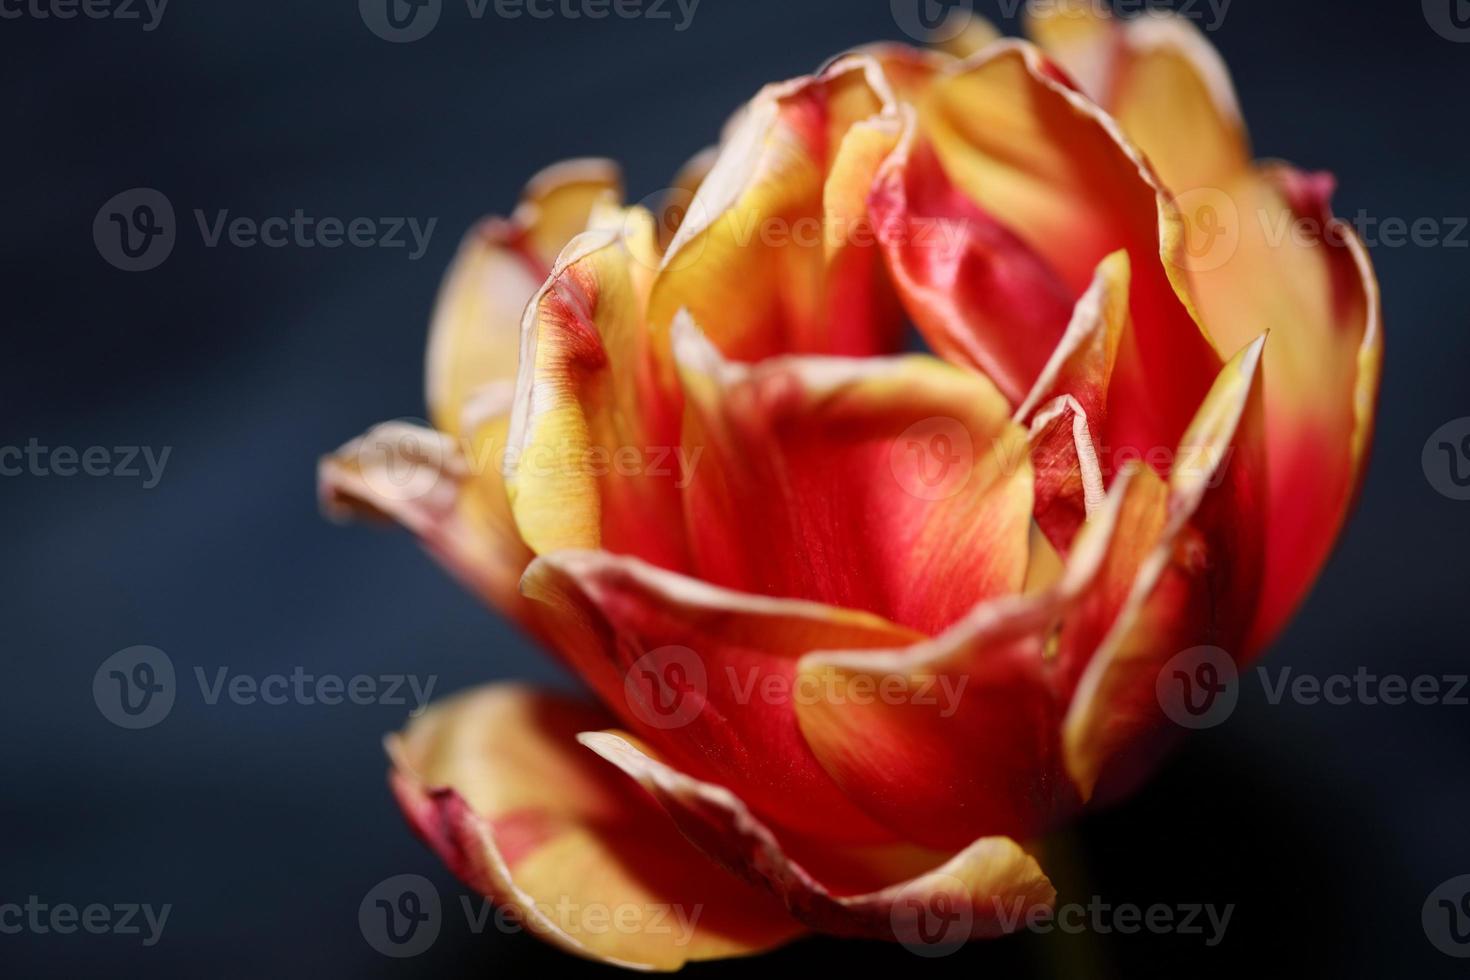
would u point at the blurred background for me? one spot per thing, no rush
(263, 826)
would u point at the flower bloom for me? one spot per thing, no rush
(862, 627)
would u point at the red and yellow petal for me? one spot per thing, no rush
(495, 782)
(1051, 166)
(1198, 582)
(1161, 79)
(590, 417)
(427, 482)
(706, 674)
(1067, 406)
(776, 254)
(872, 481)
(1299, 272)
(977, 292)
(1081, 364)
(979, 890)
(1262, 252)
(959, 737)
(1070, 483)
(558, 201)
(475, 334)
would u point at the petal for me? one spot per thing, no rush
(979, 294)
(706, 675)
(1197, 583)
(1174, 98)
(1161, 79)
(423, 480)
(1080, 37)
(1068, 404)
(1069, 480)
(958, 737)
(1051, 166)
(909, 70)
(590, 419)
(673, 207)
(1297, 271)
(475, 334)
(496, 784)
(895, 485)
(776, 255)
(1081, 364)
(966, 33)
(558, 201)
(977, 887)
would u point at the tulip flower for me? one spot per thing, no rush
(861, 627)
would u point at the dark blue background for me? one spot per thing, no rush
(264, 827)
